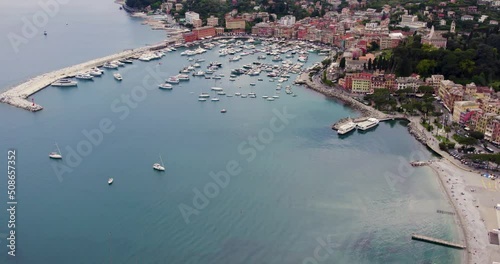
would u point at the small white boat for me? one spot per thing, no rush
(118, 76)
(276, 96)
(270, 99)
(204, 95)
(110, 181)
(252, 84)
(221, 93)
(232, 79)
(223, 111)
(216, 89)
(158, 166)
(215, 99)
(56, 154)
(166, 86)
(202, 99)
(237, 94)
(64, 83)
(243, 96)
(265, 96)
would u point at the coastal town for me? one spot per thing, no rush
(433, 66)
(454, 110)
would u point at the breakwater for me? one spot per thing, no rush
(18, 94)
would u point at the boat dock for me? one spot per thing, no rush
(17, 95)
(437, 241)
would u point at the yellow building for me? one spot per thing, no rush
(461, 107)
(212, 21)
(235, 23)
(361, 85)
(492, 106)
(483, 121)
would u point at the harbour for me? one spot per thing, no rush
(303, 185)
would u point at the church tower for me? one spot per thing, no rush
(452, 27)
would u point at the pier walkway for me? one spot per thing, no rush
(436, 241)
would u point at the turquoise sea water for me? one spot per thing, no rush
(300, 194)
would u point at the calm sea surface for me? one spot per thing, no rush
(299, 193)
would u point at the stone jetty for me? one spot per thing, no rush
(17, 95)
(365, 110)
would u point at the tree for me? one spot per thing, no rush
(373, 46)
(477, 135)
(426, 67)
(342, 63)
(425, 89)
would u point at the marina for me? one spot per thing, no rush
(17, 95)
(278, 70)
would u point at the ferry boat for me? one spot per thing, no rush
(369, 123)
(346, 128)
(64, 83)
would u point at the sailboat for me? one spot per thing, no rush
(56, 155)
(158, 166)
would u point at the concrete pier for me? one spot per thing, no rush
(436, 241)
(17, 95)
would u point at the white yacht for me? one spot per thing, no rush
(56, 154)
(118, 76)
(346, 128)
(183, 77)
(64, 83)
(96, 72)
(109, 65)
(158, 166)
(369, 123)
(199, 73)
(165, 86)
(84, 76)
(173, 80)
